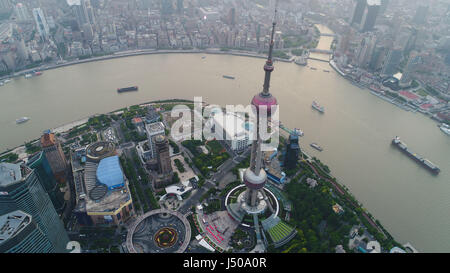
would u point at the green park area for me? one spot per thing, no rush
(206, 163)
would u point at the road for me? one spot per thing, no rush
(210, 183)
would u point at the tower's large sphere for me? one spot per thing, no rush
(260, 101)
(254, 181)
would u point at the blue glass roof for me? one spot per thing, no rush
(110, 173)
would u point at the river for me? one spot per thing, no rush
(355, 131)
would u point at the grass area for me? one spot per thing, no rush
(179, 165)
(422, 92)
(10, 158)
(206, 162)
(297, 52)
(280, 231)
(294, 41)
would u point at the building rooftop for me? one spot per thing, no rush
(154, 128)
(373, 2)
(110, 173)
(136, 120)
(235, 127)
(9, 173)
(48, 139)
(101, 197)
(12, 224)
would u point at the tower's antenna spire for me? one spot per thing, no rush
(268, 67)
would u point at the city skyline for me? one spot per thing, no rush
(117, 180)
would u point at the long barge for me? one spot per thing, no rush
(127, 89)
(422, 161)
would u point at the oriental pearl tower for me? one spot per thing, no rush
(255, 177)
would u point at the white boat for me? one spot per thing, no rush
(316, 146)
(1, 83)
(22, 120)
(27, 76)
(445, 128)
(319, 108)
(7, 81)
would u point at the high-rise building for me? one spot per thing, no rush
(365, 51)
(40, 164)
(78, 10)
(84, 12)
(41, 23)
(21, 12)
(384, 5)
(292, 152)
(231, 17)
(345, 39)
(413, 61)
(22, 51)
(19, 233)
(164, 163)
(393, 59)
(163, 156)
(153, 130)
(5, 5)
(358, 12)
(421, 14)
(89, 11)
(166, 6)
(180, 6)
(370, 15)
(20, 189)
(377, 57)
(55, 155)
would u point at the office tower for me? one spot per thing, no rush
(20, 189)
(21, 12)
(370, 15)
(41, 23)
(344, 42)
(392, 61)
(163, 156)
(377, 57)
(42, 168)
(166, 6)
(88, 32)
(55, 155)
(384, 5)
(19, 233)
(153, 130)
(79, 14)
(292, 152)
(165, 172)
(89, 11)
(22, 51)
(5, 5)
(358, 12)
(413, 61)
(180, 6)
(421, 15)
(231, 17)
(365, 50)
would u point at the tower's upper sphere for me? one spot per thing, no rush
(260, 100)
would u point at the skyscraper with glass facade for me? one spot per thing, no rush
(20, 189)
(20, 234)
(40, 164)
